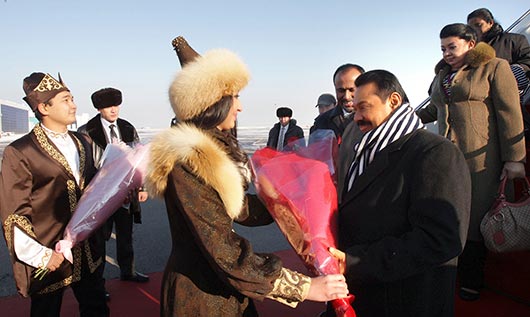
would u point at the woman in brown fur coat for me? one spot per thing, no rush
(200, 171)
(475, 100)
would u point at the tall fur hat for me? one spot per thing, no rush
(106, 97)
(40, 88)
(205, 79)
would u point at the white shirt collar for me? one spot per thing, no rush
(52, 134)
(106, 126)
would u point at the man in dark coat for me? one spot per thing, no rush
(339, 117)
(44, 173)
(404, 215)
(285, 135)
(105, 128)
(325, 103)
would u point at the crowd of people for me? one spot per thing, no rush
(410, 201)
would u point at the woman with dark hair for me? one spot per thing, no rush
(475, 100)
(201, 172)
(512, 47)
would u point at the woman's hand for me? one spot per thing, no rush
(327, 287)
(513, 170)
(341, 257)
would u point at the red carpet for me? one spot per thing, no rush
(509, 273)
(131, 299)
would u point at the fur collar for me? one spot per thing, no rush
(479, 55)
(188, 145)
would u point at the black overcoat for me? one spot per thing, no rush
(403, 224)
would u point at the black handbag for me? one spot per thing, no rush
(506, 226)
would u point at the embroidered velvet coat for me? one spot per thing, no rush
(483, 118)
(211, 271)
(38, 194)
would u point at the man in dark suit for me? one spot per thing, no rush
(43, 176)
(339, 117)
(105, 128)
(285, 134)
(404, 214)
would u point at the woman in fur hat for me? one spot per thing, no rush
(199, 169)
(475, 100)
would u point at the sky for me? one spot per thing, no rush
(291, 48)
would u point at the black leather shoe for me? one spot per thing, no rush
(107, 296)
(135, 277)
(469, 294)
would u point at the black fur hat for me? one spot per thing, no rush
(106, 97)
(284, 112)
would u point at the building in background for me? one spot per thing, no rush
(14, 118)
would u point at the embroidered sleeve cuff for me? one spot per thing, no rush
(30, 251)
(290, 288)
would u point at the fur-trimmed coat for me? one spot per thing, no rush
(212, 271)
(483, 118)
(94, 129)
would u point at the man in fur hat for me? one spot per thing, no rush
(105, 128)
(285, 133)
(43, 176)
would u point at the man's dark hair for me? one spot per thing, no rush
(385, 82)
(346, 67)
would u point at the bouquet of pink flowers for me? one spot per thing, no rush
(122, 171)
(299, 192)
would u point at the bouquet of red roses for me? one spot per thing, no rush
(299, 192)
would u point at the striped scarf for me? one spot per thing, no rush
(401, 122)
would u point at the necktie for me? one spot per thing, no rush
(113, 135)
(279, 147)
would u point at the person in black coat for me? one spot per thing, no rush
(102, 129)
(404, 215)
(285, 135)
(510, 46)
(339, 117)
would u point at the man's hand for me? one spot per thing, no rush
(341, 257)
(142, 196)
(55, 261)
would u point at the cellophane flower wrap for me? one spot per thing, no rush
(123, 170)
(299, 190)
